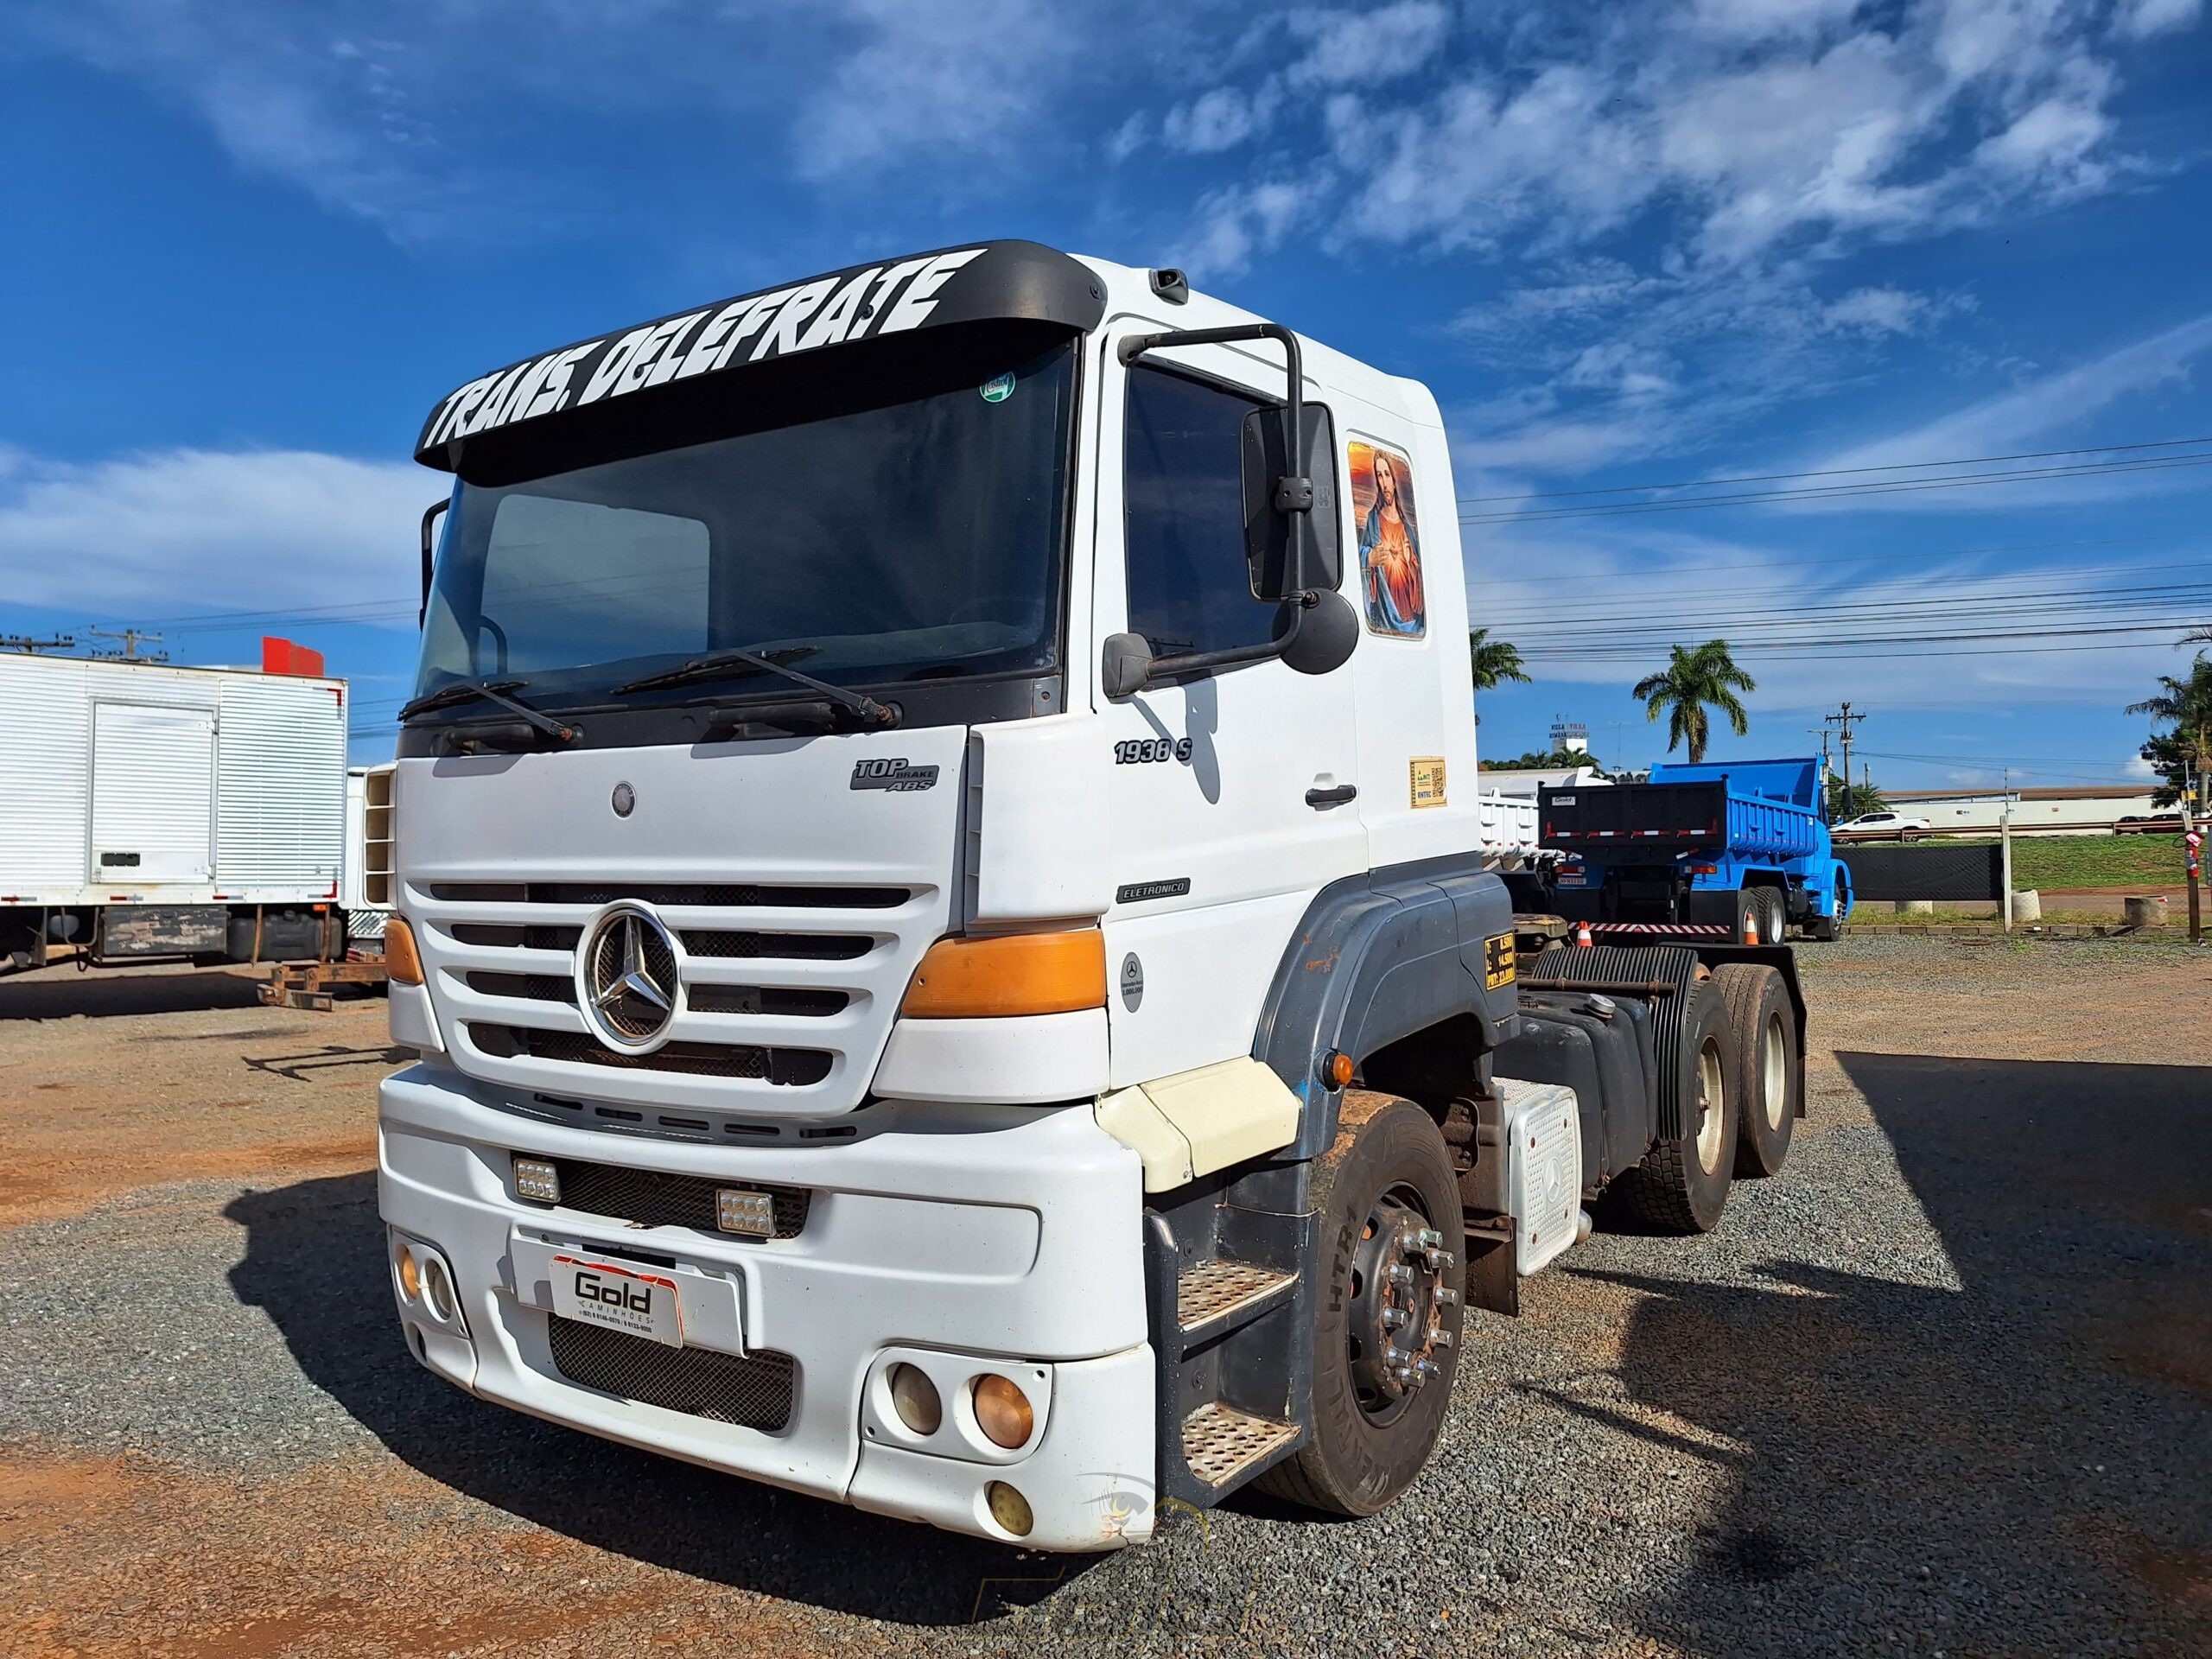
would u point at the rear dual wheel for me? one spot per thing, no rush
(1770, 1077)
(1682, 1186)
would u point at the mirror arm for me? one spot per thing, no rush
(1203, 662)
(429, 543)
(1293, 491)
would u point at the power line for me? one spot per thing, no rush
(1836, 472)
(1843, 492)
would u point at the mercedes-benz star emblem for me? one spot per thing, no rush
(628, 982)
(625, 800)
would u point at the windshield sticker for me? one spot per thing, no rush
(998, 388)
(1390, 542)
(825, 312)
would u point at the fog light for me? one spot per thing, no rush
(737, 1211)
(410, 1278)
(1003, 1413)
(916, 1399)
(1009, 1509)
(438, 1288)
(537, 1179)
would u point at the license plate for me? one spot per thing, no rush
(621, 1299)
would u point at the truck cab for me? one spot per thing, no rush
(935, 839)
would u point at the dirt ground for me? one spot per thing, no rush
(1972, 1416)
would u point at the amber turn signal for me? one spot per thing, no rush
(403, 965)
(1003, 1412)
(1013, 973)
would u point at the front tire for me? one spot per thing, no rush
(1774, 918)
(1682, 1186)
(1381, 1192)
(1769, 1079)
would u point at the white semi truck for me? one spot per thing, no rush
(950, 935)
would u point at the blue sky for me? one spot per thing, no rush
(1633, 244)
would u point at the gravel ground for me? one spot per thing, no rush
(1940, 1388)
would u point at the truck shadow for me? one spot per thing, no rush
(2014, 1459)
(314, 1262)
(64, 993)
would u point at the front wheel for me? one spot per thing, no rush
(1387, 1310)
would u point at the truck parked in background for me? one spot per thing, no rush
(940, 896)
(151, 813)
(1736, 849)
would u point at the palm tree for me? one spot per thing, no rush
(1493, 662)
(2187, 705)
(1691, 681)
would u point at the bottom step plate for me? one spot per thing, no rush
(1220, 1442)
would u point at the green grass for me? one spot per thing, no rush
(2040, 861)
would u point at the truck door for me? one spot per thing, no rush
(1231, 798)
(153, 796)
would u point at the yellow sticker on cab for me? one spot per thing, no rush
(1498, 965)
(1428, 772)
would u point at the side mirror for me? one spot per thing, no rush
(1290, 549)
(1125, 667)
(1320, 636)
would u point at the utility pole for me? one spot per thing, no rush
(131, 639)
(31, 647)
(1846, 720)
(2004, 835)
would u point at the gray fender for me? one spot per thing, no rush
(1376, 957)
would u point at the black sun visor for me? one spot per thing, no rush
(985, 280)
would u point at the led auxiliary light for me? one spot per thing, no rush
(537, 1179)
(1009, 1509)
(737, 1211)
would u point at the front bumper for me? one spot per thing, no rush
(993, 1238)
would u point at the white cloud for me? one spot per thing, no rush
(1221, 118)
(2138, 20)
(1368, 47)
(2056, 404)
(1875, 311)
(1230, 227)
(186, 529)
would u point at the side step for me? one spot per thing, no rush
(1220, 1442)
(1218, 1292)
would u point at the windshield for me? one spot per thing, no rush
(897, 525)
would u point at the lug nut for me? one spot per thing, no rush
(1398, 1273)
(1441, 1261)
(1393, 1318)
(1439, 1339)
(1444, 1296)
(1407, 1377)
(1429, 1237)
(1425, 1369)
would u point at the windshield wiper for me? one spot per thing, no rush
(726, 664)
(495, 691)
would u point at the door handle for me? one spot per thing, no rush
(1336, 796)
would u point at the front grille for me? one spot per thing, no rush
(789, 1067)
(653, 1200)
(723, 942)
(794, 1002)
(747, 895)
(753, 1392)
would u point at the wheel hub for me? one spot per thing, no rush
(1396, 1323)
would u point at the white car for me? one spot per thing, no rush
(1887, 823)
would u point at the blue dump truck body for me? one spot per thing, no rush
(1700, 849)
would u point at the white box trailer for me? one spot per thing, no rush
(149, 811)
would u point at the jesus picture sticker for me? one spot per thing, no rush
(1390, 542)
